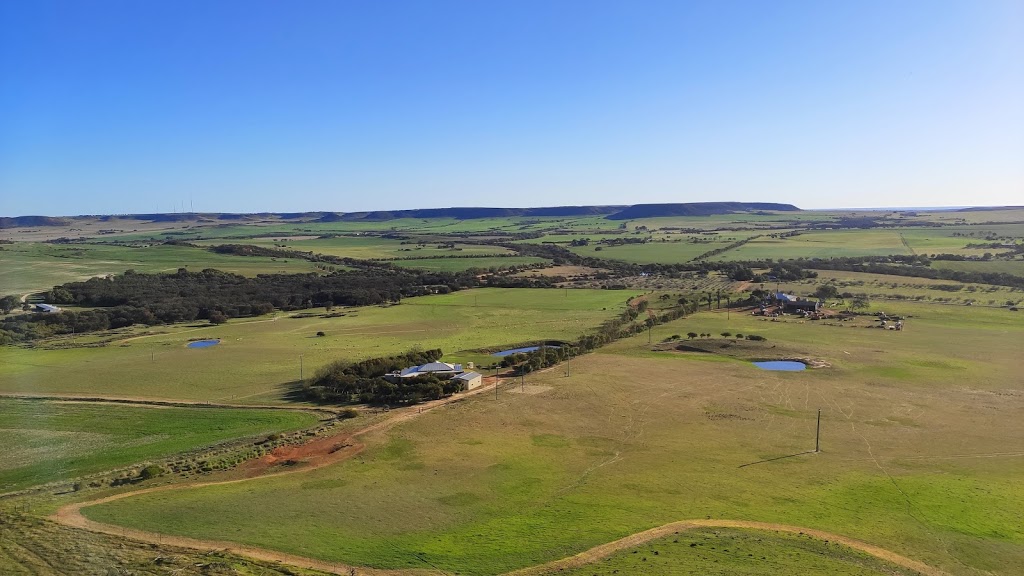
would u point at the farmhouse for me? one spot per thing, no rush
(453, 371)
(47, 308)
(804, 305)
(435, 368)
(790, 303)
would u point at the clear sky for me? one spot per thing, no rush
(126, 106)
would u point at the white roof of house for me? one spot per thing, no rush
(439, 367)
(48, 307)
(468, 375)
(429, 368)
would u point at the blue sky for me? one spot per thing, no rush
(117, 107)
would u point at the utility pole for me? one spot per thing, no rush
(567, 360)
(300, 368)
(817, 434)
(495, 381)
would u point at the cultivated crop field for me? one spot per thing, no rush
(54, 440)
(920, 454)
(370, 247)
(652, 252)
(459, 264)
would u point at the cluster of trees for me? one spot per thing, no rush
(184, 296)
(8, 303)
(787, 270)
(363, 382)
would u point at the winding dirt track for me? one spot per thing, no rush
(605, 550)
(329, 450)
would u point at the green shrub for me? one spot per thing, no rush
(151, 471)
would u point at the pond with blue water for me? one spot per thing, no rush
(203, 343)
(783, 365)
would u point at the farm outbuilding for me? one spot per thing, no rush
(47, 308)
(472, 379)
(805, 305)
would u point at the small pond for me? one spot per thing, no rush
(203, 343)
(511, 351)
(785, 365)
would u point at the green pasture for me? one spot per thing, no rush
(731, 552)
(49, 440)
(31, 267)
(370, 247)
(259, 360)
(921, 455)
(565, 236)
(1015, 267)
(652, 252)
(955, 240)
(820, 244)
(872, 242)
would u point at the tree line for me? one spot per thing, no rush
(624, 325)
(216, 296)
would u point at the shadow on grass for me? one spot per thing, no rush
(776, 458)
(294, 391)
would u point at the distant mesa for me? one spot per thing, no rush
(23, 221)
(989, 208)
(697, 209)
(458, 213)
(330, 217)
(474, 213)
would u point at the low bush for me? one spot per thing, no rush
(151, 471)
